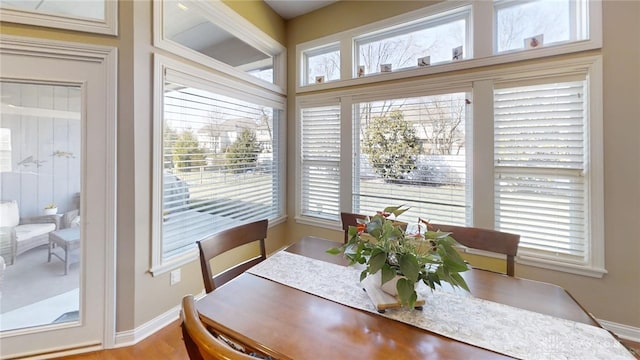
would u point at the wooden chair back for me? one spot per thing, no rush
(485, 239)
(226, 240)
(200, 343)
(349, 219)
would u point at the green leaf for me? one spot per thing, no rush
(388, 273)
(406, 292)
(363, 274)
(377, 260)
(409, 266)
(458, 280)
(334, 251)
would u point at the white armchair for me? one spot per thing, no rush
(19, 235)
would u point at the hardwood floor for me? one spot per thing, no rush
(167, 344)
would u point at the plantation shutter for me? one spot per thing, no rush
(320, 137)
(221, 161)
(412, 152)
(540, 183)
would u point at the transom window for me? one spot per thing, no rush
(441, 39)
(532, 24)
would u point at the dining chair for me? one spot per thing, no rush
(200, 343)
(226, 240)
(485, 239)
(349, 219)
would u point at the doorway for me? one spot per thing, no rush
(57, 196)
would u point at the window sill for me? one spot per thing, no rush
(174, 263)
(577, 269)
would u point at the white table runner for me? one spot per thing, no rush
(511, 331)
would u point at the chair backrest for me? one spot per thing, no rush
(485, 239)
(9, 214)
(200, 343)
(349, 219)
(225, 241)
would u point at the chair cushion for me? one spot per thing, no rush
(28, 231)
(9, 215)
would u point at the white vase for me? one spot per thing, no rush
(51, 211)
(390, 287)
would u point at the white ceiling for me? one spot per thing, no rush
(289, 9)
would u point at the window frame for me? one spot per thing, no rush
(108, 25)
(482, 182)
(217, 82)
(481, 45)
(224, 17)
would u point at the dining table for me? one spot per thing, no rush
(305, 303)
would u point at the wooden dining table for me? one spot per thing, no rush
(300, 325)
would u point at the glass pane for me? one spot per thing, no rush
(187, 26)
(413, 153)
(543, 22)
(402, 48)
(323, 65)
(220, 159)
(92, 9)
(40, 176)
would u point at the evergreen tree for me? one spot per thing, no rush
(392, 146)
(242, 155)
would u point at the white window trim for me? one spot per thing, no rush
(208, 80)
(482, 18)
(108, 26)
(483, 80)
(225, 17)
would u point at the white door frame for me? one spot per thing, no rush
(104, 218)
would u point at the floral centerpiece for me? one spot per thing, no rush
(382, 244)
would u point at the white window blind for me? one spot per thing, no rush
(220, 163)
(411, 151)
(320, 150)
(540, 165)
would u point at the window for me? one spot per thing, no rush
(541, 180)
(320, 149)
(322, 64)
(218, 160)
(436, 37)
(96, 16)
(554, 21)
(518, 149)
(412, 151)
(449, 36)
(216, 36)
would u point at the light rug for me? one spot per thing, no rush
(508, 330)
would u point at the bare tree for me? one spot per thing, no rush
(443, 119)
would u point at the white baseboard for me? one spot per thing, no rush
(132, 337)
(623, 331)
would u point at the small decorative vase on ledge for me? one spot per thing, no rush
(51, 211)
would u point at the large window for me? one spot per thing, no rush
(218, 159)
(412, 151)
(516, 149)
